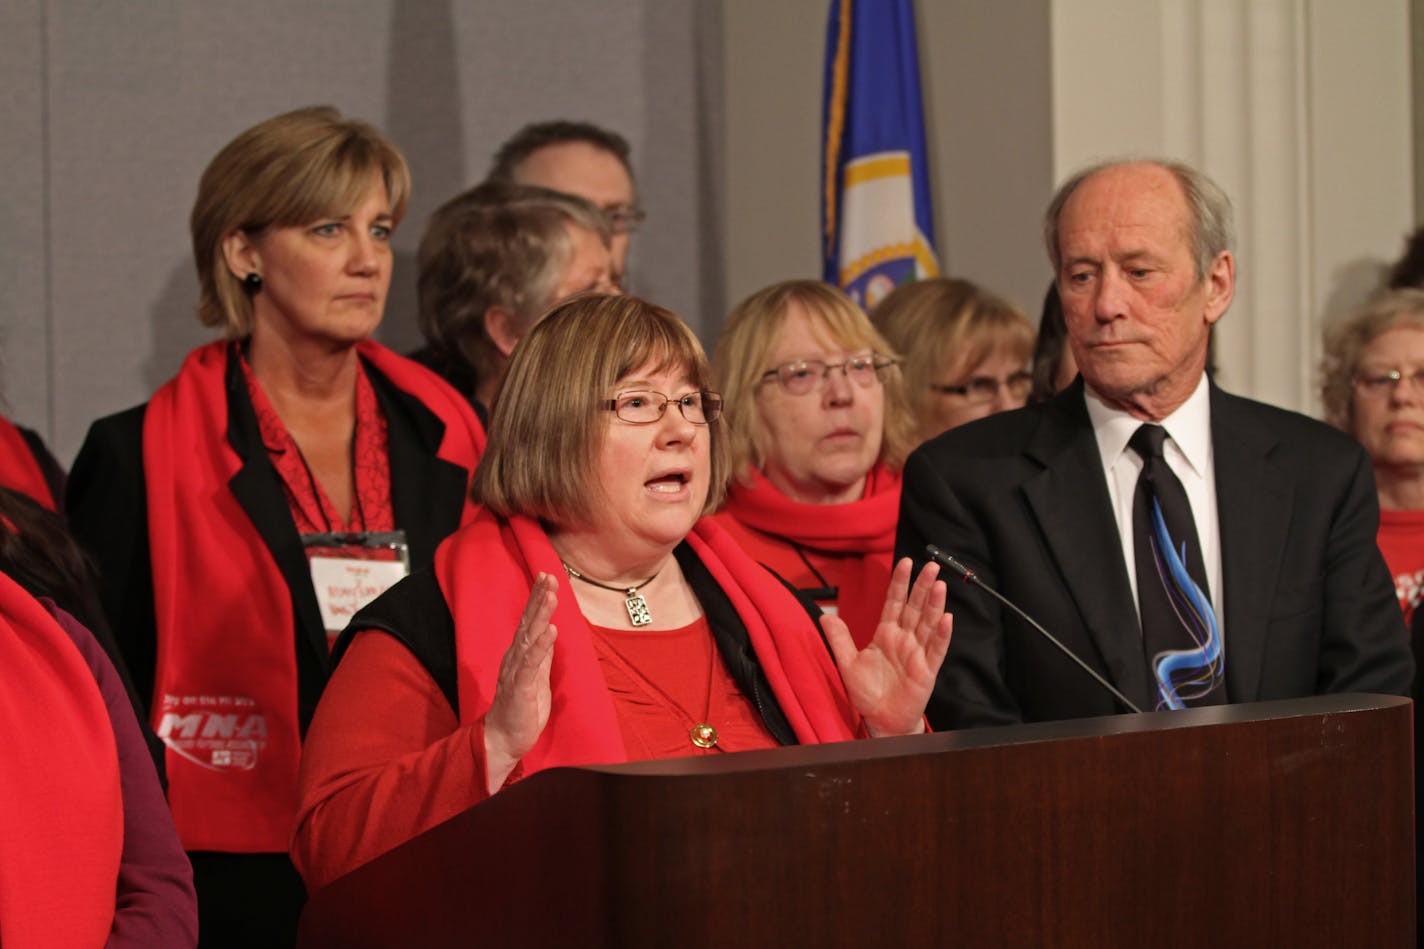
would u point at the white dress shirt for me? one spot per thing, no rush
(1188, 453)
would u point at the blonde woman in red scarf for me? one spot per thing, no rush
(818, 426)
(289, 470)
(590, 613)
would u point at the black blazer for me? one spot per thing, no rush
(1021, 497)
(108, 513)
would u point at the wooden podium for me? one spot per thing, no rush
(1276, 824)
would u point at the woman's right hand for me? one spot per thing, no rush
(520, 709)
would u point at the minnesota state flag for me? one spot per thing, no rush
(877, 223)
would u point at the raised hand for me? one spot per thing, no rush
(520, 710)
(890, 680)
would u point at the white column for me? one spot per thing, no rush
(1300, 109)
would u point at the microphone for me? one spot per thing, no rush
(972, 578)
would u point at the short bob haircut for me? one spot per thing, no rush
(290, 170)
(745, 345)
(1209, 217)
(547, 428)
(497, 244)
(1345, 343)
(944, 325)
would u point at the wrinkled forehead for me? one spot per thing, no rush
(1126, 203)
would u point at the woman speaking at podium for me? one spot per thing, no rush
(586, 615)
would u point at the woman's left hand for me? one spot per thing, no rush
(890, 680)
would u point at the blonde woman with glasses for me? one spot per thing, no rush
(818, 426)
(1372, 386)
(967, 352)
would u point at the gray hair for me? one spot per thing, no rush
(1345, 343)
(496, 244)
(1208, 208)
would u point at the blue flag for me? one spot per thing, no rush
(877, 226)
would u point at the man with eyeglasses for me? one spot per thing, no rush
(582, 159)
(1193, 547)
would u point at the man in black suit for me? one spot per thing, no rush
(1040, 502)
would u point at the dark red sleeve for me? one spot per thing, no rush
(155, 904)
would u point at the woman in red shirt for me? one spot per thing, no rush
(1372, 385)
(1373, 388)
(586, 614)
(288, 472)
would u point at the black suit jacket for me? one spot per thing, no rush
(1021, 498)
(108, 513)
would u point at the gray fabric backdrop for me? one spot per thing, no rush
(111, 111)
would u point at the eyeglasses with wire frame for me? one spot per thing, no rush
(641, 407)
(803, 375)
(624, 218)
(982, 389)
(1383, 382)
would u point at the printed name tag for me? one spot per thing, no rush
(345, 584)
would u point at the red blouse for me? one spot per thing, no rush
(392, 711)
(666, 682)
(312, 510)
(1401, 540)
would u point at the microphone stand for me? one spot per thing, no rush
(972, 578)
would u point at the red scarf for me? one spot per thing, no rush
(226, 680)
(486, 571)
(866, 526)
(770, 527)
(19, 470)
(61, 807)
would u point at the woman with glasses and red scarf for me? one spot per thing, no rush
(818, 427)
(590, 613)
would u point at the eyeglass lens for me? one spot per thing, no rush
(986, 389)
(1378, 383)
(803, 375)
(642, 408)
(623, 218)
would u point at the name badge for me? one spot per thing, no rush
(350, 570)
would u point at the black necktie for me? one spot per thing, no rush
(1182, 646)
